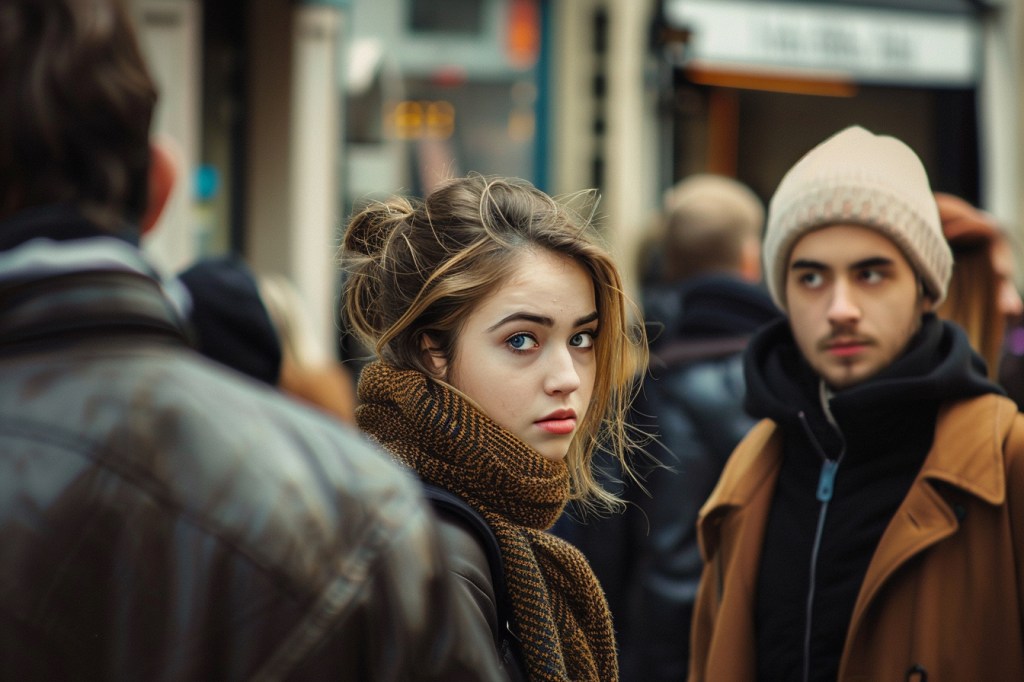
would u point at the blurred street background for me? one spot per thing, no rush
(288, 114)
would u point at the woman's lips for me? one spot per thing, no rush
(559, 427)
(559, 422)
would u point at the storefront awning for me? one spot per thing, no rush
(934, 46)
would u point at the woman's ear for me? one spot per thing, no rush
(433, 357)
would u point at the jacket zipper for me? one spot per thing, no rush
(826, 487)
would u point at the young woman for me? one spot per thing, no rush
(505, 355)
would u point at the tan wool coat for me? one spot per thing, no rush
(943, 597)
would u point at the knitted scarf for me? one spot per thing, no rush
(561, 615)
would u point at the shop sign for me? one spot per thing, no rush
(869, 45)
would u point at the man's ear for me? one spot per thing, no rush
(750, 260)
(433, 356)
(927, 300)
(163, 172)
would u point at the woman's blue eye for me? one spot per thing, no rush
(521, 342)
(582, 340)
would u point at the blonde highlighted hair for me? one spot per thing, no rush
(416, 268)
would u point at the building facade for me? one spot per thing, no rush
(287, 114)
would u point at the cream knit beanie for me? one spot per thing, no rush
(860, 178)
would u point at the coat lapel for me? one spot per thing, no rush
(966, 454)
(731, 528)
(754, 463)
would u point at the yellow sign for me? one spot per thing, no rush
(422, 119)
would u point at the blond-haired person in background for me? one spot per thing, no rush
(309, 371)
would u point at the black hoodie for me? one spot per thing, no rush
(840, 483)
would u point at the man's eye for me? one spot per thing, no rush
(871, 276)
(521, 342)
(811, 279)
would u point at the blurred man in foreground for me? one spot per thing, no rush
(160, 517)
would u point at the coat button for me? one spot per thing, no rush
(917, 673)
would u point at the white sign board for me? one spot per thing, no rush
(863, 44)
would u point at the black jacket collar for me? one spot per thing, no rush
(59, 222)
(938, 366)
(62, 278)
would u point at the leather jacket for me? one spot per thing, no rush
(469, 563)
(164, 518)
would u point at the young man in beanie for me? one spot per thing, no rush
(160, 517)
(869, 527)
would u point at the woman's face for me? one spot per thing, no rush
(526, 353)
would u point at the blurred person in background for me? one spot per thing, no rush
(504, 354)
(309, 371)
(229, 320)
(982, 296)
(259, 326)
(692, 403)
(162, 518)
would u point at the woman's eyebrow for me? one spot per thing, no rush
(542, 320)
(527, 317)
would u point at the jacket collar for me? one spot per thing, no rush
(57, 222)
(966, 453)
(52, 241)
(52, 291)
(938, 363)
(754, 463)
(968, 449)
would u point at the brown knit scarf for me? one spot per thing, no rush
(560, 610)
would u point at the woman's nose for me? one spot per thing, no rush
(563, 377)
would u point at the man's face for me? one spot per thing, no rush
(854, 302)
